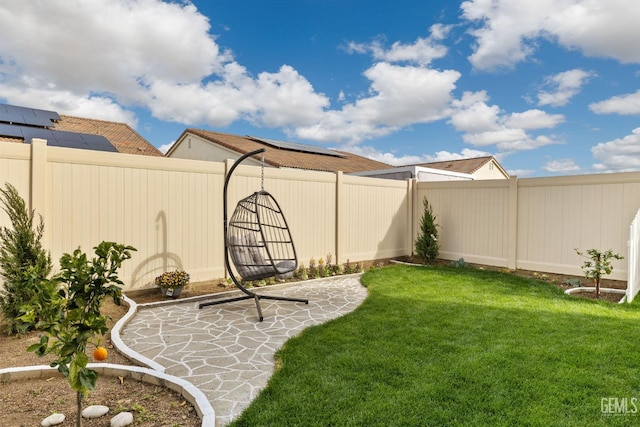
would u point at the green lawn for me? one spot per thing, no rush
(455, 346)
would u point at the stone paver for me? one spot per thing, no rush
(223, 349)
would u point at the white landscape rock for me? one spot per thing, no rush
(122, 419)
(95, 411)
(53, 420)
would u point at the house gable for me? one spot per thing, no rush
(486, 167)
(200, 144)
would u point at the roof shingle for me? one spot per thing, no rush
(283, 158)
(462, 165)
(121, 135)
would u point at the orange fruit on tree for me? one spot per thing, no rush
(100, 354)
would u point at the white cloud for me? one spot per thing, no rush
(466, 153)
(508, 30)
(533, 119)
(564, 86)
(120, 55)
(68, 103)
(527, 143)
(520, 172)
(561, 165)
(400, 96)
(165, 147)
(391, 158)
(501, 136)
(619, 155)
(623, 104)
(423, 51)
(486, 125)
(473, 115)
(115, 47)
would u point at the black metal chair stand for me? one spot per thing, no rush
(259, 242)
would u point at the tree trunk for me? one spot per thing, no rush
(79, 409)
(598, 277)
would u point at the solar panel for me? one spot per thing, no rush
(27, 116)
(11, 131)
(51, 115)
(294, 146)
(59, 138)
(98, 142)
(25, 120)
(28, 133)
(29, 123)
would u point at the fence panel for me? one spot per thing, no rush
(547, 220)
(15, 166)
(166, 208)
(171, 211)
(374, 219)
(473, 219)
(633, 277)
(557, 215)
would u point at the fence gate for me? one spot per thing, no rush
(633, 279)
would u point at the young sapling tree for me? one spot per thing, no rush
(84, 284)
(598, 264)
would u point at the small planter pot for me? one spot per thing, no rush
(171, 292)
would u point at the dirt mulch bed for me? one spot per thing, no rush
(28, 402)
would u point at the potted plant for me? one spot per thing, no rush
(172, 282)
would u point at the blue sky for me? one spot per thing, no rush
(549, 87)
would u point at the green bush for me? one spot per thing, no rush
(427, 246)
(24, 264)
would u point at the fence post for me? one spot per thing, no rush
(339, 236)
(411, 196)
(512, 231)
(38, 185)
(228, 163)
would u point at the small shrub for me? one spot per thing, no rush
(427, 246)
(459, 263)
(348, 268)
(337, 270)
(313, 270)
(24, 264)
(302, 273)
(358, 268)
(575, 283)
(331, 270)
(322, 268)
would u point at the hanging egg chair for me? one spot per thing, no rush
(258, 241)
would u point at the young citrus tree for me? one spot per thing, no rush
(84, 284)
(597, 265)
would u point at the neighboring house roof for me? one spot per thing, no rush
(463, 165)
(121, 135)
(283, 154)
(465, 169)
(21, 124)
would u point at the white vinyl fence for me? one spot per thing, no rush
(633, 281)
